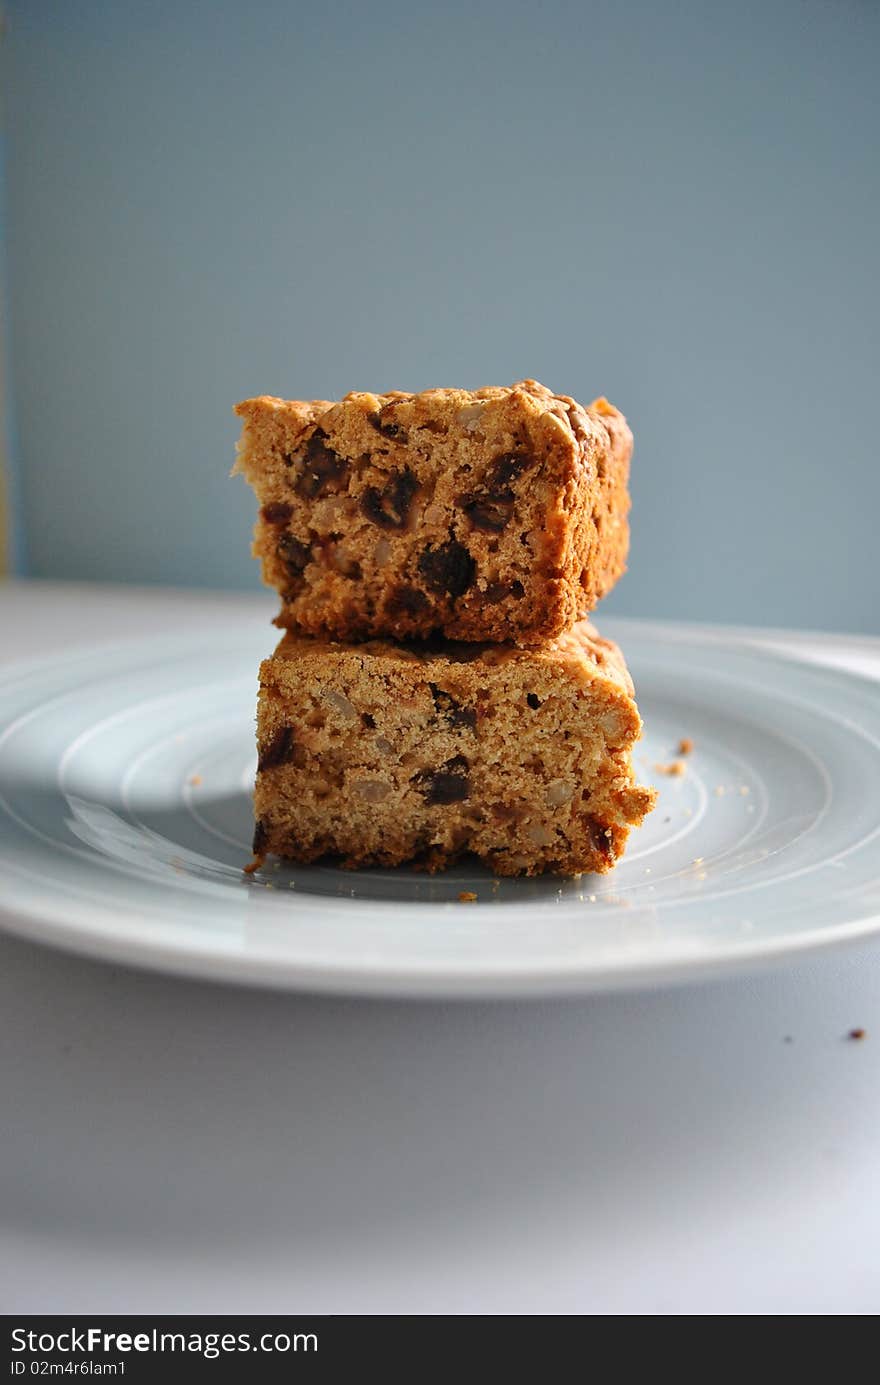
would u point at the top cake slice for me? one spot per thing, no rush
(495, 514)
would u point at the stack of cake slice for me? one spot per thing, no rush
(438, 689)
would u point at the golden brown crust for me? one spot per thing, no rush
(493, 514)
(383, 753)
(579, 654)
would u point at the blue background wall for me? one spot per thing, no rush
(673, 204)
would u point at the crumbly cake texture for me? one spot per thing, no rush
(381, 753)
(495, 514)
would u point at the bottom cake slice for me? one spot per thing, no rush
(382, 753)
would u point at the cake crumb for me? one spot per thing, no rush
(467, 897)
(719, 790)
(685, 745)
(253, 865)
(195, 780)
(857, 1034)
(675, 767)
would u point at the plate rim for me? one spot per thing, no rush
(402, 983)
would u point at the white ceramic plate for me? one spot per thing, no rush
(125, 818)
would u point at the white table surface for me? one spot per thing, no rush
(173, 1146)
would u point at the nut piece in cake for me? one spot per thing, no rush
(499, 514)
(381, 753)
